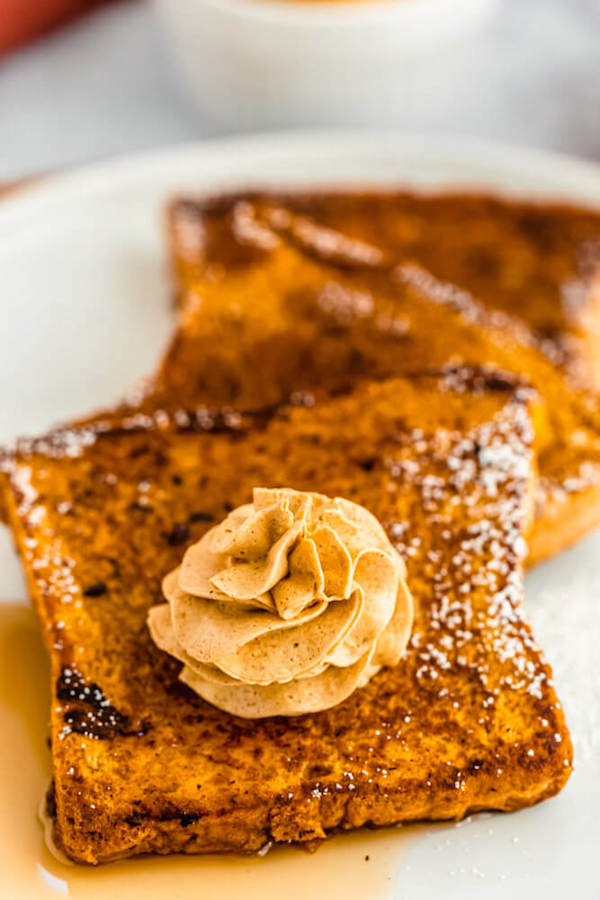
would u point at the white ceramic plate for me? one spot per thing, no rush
(85, 309)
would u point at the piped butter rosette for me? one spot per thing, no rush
(286, 607)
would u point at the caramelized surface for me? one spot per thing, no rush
(273, 304)
(540, 262)
(467, 720)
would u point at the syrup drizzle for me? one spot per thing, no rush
(32, 867)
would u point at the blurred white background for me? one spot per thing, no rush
(106, 85)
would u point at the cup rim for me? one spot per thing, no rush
(341, 13)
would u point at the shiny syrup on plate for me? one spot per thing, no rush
(367, 860)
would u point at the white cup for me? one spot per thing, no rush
(262, 63)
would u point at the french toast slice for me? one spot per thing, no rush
(537, 261)
(273, 304)
(468, 720)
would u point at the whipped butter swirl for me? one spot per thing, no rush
(286, 607)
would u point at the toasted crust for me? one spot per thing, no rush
(272, 304)
(539, 262)
(468, 720)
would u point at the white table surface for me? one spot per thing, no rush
(106, 85)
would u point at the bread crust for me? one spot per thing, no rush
(536, 261)
(274, 302)
(467, 721)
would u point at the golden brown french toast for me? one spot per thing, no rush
(274, 305)
(537, 261)
(468, 720)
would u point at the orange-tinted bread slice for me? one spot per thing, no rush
(468, 720)
(272, 304)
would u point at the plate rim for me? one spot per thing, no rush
(573, 176)
(108, 176)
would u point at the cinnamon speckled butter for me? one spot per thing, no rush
(287, 606)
